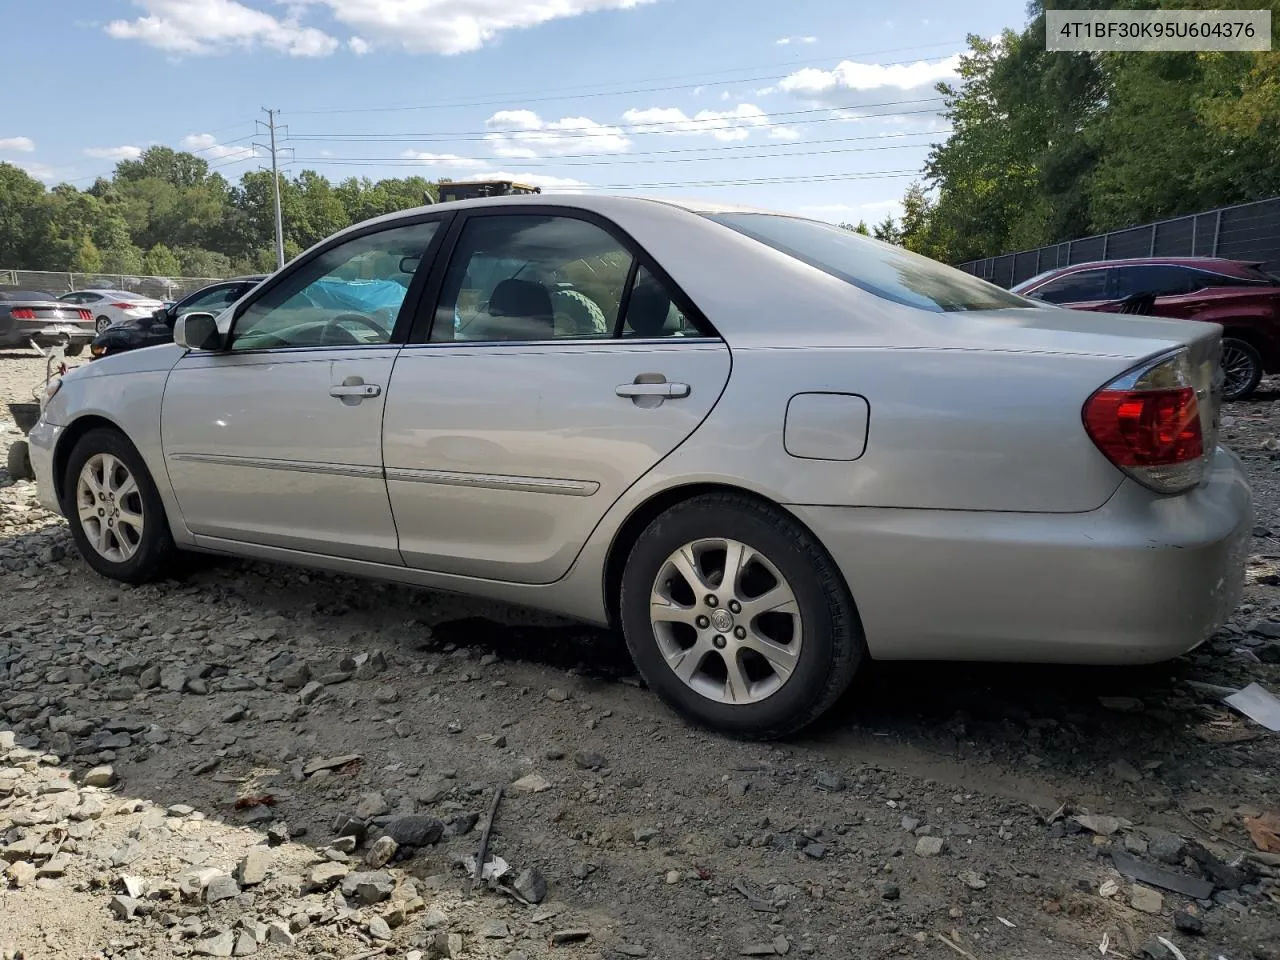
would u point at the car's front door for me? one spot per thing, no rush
(277, 439)
(560, 367)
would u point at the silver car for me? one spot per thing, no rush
(765, 448)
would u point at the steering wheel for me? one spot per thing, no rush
(333, 326)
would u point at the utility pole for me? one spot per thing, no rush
(272, 126)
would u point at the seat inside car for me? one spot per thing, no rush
(523, 311)
(647, 311)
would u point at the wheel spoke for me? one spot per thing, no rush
(130, 519)
(686, 565)
(782, 659)
(737, 687)
(778, 600)
(661, 610)
(101, 538)
(128, 487)
(685, 663)
(88, 511)
(736, 557)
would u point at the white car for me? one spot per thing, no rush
(113, 306)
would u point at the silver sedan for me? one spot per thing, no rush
(765, 448)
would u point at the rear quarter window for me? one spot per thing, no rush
(887, 271)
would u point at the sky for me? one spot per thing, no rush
(820, 107)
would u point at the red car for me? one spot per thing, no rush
(1240, 296)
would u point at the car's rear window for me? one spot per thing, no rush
(888, 271)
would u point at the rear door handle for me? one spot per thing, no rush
(360, 390)
(664, 391)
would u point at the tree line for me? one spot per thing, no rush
(1047, 147)
(167, 214)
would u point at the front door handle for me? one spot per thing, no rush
(663, 391)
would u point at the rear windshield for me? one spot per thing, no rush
(14, 296)
(891, 272)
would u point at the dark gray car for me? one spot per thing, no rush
(34, 315)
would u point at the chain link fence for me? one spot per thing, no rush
(58, 283)
(1246, 231)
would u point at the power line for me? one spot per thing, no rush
(536, 97)
(735, 182)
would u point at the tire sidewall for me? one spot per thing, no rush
(821, 633)
(157, 542)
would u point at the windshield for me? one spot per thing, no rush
(887, 271)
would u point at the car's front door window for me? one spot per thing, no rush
(1074, 288)
(210, 301)
(532, 277)
(350, 295)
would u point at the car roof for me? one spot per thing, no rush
(1157, 261)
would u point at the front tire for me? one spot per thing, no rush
(101, 323)
(1241, 368)
(116, 516)
(738, 618)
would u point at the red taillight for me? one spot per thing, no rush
(124, 306)
(1145, 428)
(22, 313)
(1148, 423)
(85, 314)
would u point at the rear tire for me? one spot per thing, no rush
(758, 656)
(1242, 368)
(101, 323)
(116, 516)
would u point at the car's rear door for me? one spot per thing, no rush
(277, 440)
(515, 416)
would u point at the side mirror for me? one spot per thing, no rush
(197, 331)
(161, 314)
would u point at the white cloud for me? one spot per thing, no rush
(205, 27)
(547, 183)
(41, 171)
(523, 135)
(850, 85)
(125, 152)
(873, 212)
(452, 26)
(359, 46)
(726, 125)
(787, 41)
(450, 160)
(17, 144)
(206, 145)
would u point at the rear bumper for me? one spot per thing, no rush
(1140, 580)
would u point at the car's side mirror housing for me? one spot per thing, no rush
(198, 331)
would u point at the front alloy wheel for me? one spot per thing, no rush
(1241, 369)
(109, 505)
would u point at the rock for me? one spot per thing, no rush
(104, 776)
(173, 678)
(1135, 844)
(310, 692)
(368, 665)
(1267, 628)
(590, 760)
(929, 846)
(414, 830)
(279, 934)
(222, 887)
(630, 950)
(253, 868)
(1103, 826)
(149, 679)
(973, 880)
(1125, 772)
(295, 676)
(1189, 919)
(380, 854)
(21, 873)
(556, 695)
(815, 851)
(330, 763)
(890, 891)
(531, 783)
(447, 946)
(134, 887)
(372, 805)
(531, 885)
(674, 877)
(909, 824)
(219, 946)
(560, 937)
(385, 694)
(123, 908)
(643, 834)
(325, 875)
(832, 782)
(1145, 899)
(1166, 847)
(494, 930)
(378, 928)
(368, 888)
(246, 945)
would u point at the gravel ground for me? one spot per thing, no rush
(261, 760)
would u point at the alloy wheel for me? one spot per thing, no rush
(726, 621)
(1237, 370)
(109, 505)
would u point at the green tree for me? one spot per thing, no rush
(860, 227)
(160, 261)
(887, 230)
